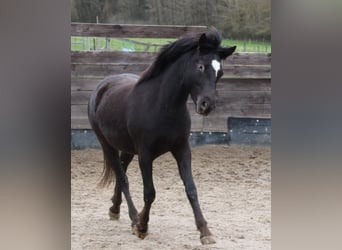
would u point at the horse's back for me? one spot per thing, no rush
(107, 109)
(109, 87)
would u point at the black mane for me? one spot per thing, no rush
(172, 51)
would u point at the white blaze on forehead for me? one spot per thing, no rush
(216, 66)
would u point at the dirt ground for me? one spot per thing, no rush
(234, 189)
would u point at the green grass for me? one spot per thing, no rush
(249, 46)
(89, 43)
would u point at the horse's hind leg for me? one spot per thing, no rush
(113, 162)
(114, 211)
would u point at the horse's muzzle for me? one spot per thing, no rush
(204, 105)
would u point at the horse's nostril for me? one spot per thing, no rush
(204, 104)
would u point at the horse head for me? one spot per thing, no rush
(205, 69)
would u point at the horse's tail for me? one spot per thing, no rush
(108, 174)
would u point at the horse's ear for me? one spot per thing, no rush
(225, 52)
(203, 42)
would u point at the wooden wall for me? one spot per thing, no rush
(243, 91)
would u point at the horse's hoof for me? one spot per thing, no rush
(138, 233)
(207, 240)
(113, 216)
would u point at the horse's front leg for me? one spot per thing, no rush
(183, 158)
(145, 162)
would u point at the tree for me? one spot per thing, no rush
(234, 18)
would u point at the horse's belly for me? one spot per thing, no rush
(164, 141)
(158, 132)
(122, 142)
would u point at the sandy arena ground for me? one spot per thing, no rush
(234, 189)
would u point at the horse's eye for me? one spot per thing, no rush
(200, 67)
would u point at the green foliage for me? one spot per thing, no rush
(240, 19)
(91, 43)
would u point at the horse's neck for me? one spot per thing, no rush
(172, 93)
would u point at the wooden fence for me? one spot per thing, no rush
(243, 91)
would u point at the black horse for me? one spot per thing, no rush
(148, 116)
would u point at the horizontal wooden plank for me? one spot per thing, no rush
(131, 31)
(216, 121)
(103, 70)
(249, 59)
(244, 71)
(80, 97)
(224, 97)
(226, 84)
(79, 118)
(112, 57)
(79, 111)
(248, 110)
(106, 69)
(148, 57)
(80, 123)
(244, 97)
(225, 101)
(89, 83)
(233, 108)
